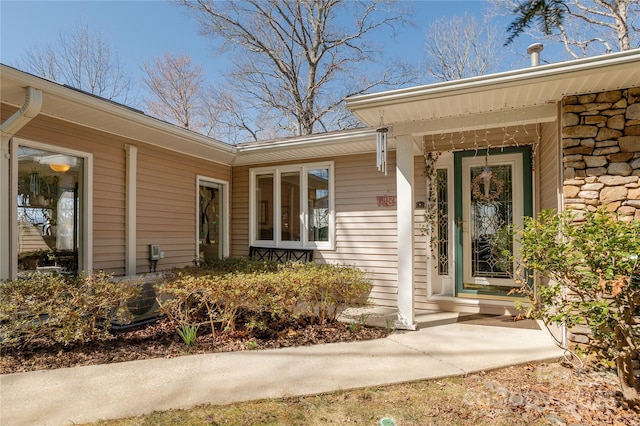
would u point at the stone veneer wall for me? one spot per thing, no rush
(601, 157)
(601, 152)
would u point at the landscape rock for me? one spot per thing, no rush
(592, 161)
(612, 96)
(617, 180)
(616, 122)
(633, 112)
(613, 193)
(630, 143)
(580, 132)
(619, 169)
(596, 171)
(606, 134)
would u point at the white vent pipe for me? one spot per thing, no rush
(534, 50)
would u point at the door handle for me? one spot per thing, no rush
(460, 223)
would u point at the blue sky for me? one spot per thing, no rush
(143, 30)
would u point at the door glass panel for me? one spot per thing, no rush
(318, 210)
(210, 208)
(442, 193)
(491, 220)
(49, 211)
(264, 215)
(290, 206)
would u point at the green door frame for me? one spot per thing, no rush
(527, 184)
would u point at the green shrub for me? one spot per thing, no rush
(220, 292)
(64, 309)
(591, 266)
(181, 297)
(325, 290)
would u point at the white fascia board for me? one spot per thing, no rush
(315, 140)
(307, 147)
(490, 82)
(182, 140)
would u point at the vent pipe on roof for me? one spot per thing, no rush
(534, 50)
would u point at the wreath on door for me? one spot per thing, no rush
(481, 186)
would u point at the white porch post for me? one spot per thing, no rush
(404, 211)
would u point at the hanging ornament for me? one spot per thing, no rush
(381, 146)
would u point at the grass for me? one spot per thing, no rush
(532, 394)
(448, 401)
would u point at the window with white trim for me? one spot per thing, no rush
(292, 206)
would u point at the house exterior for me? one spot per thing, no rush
(105, 187)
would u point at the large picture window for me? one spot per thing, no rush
(50, 211)
(292, 206)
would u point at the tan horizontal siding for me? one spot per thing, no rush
(166, 204)
(240, 212)
(366, 234)
(548, 167)
(166, 191)
(108, 182)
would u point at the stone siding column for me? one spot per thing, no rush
(601, 152)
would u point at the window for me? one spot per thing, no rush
(52, 231)
(292, 206)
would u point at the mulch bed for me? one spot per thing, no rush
(553, 394)
(160, 340)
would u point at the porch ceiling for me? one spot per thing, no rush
(515, 97)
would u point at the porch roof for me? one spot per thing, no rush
(522, 96)
(343, 142)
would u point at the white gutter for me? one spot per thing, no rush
(29, 110)
(31, 107)
(485, 82)
(321, 139)
(145, 128)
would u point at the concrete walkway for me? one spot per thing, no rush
(87, 394)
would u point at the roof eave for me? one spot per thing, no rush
(348, 142)
(147, 129)
(487, 83)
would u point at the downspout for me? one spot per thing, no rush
(29, 110)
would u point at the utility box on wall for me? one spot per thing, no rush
(154, 252)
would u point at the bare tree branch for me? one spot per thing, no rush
(610, 23)
(460, 47)
(83, 60)
(294, 61)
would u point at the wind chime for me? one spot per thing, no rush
(381, 146)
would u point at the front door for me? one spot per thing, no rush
(210, 241)
(493, 193)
